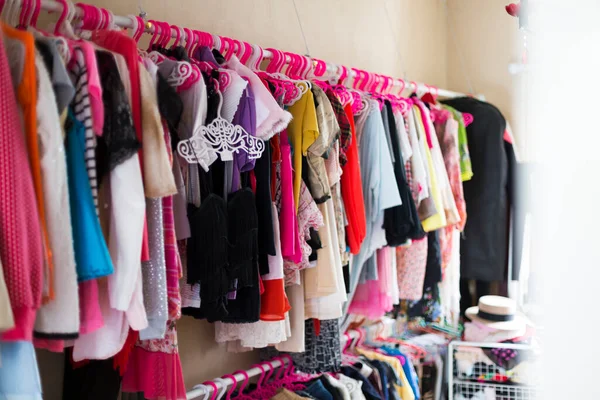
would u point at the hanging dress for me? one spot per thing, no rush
(20, 245)
(59, 318)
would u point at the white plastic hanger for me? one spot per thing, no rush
(220, 137)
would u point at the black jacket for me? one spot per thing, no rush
(484, 245)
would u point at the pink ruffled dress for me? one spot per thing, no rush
(373, 298)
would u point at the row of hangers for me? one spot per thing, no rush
(359, 337)
(273, 377)
(270, 379)
(292, 74)
(298, 66)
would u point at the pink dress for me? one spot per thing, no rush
(373, 299)
(309, 216)
(410, 263)
(290, 240)
(20, 242)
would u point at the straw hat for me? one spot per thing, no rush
(497, 312)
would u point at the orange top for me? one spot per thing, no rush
(27, 100)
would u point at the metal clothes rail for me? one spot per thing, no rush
(202, 391)
(126, 22)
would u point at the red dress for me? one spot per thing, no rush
(352, 192)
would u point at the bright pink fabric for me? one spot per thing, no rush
(372, 298)
(428, 132)
(90, 315)
(156, 373)
(288, 223)
(20, 238)
(94, 86)
(56, 346)
(172, 259)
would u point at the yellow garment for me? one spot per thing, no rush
(405, 391)
(438, 220)
(302, 132)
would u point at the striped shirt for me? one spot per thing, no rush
(83, 113)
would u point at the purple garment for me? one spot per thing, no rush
(245, 116)
(203, 53)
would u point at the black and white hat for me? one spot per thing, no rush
(497, 312)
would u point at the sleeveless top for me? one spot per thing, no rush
(91, 253)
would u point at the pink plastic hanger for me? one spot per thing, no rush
(281, 369)
(357, 77)
(247, 52)
(88, 16)
(292, 65)
(241, 394)
(304, 65)
(370, 80)
(155, 34)
(292, 381)
(24, 14)
(165, 35)
(215, 389)
(230, 391)
(258, 391)
(36, 13)
(308, 67)
(107, 18)
(223, 41)
(256, 58)
(237, 48)
(226, 47)
(168, 36)
(271, 387)
(300, 65)
(193, 41)
(63, 25)
(320, 67)
(343, 75)
(138, 28)
(385, 84)
(365, 83)
(189, 39)
(375, 83)
(62, 17)
(178, 35)
(276, 60)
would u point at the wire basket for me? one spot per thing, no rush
(492, 371)
(490, 391)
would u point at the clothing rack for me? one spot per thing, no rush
(352, 334)
(126, 22)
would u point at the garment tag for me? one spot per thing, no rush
(232, 295)
(365, 370)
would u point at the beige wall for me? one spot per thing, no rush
(355, 33)
(352, 32)
(482, 40)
